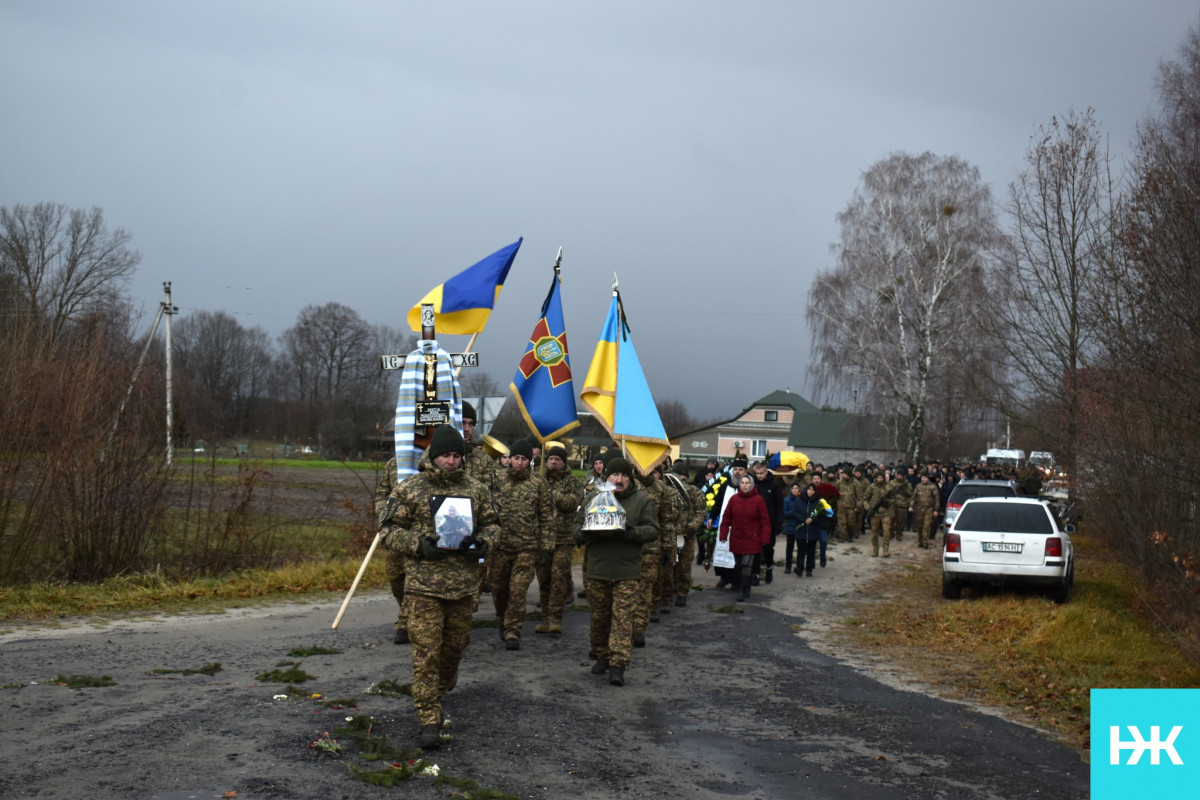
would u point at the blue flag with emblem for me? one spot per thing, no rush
(542, 384)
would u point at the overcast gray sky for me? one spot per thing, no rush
(266, 156)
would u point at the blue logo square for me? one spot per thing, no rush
(1145, 743)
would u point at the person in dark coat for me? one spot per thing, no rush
(817, 519)
(772, 494)
(793, 518)
(747, 527)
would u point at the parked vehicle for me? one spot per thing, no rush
(1008, 540)
(969, 489)
(997, 457)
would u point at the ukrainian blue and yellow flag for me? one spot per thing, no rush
(617, 393)
(463, 303)
(542, 384)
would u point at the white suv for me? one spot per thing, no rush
(1013, 540)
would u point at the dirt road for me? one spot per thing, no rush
(717, 705)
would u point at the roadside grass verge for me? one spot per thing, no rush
(1017, 650)
(152, 594)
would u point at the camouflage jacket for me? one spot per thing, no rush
(880, 497)
(385, 485)
(851, 492)
(407, 518)
(479, 465)
(926, 496)
(566, 492)
(694, 510)
(666, 512)
(526, 511)
(904, 491)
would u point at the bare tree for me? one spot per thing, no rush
(1141, 406)
(229, 363)
(675, 417)
(1045, 322)
(57, 262)
(911, 274)
(329, 350)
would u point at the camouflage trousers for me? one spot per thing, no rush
(394, 568)
(512, 574)
(683, 567)
(923, 522)
(664, 592)
(898, 514)
(881, 524)
(612, 606)
(555, 584)
(647, 589)
(440, 631)
(845, 525)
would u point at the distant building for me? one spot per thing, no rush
(783, 420)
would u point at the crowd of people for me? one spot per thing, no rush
(468, 523)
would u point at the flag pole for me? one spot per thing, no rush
(558, 278)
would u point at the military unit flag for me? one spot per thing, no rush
(542, 384)
(463, 303)
(616, 391)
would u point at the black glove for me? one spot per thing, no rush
(470, 544)
(627, 534)
(429, 550)
(545, 558)
(666, 557)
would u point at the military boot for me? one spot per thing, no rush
(616, 677)
(431, 736)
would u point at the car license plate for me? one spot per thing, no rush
(1002, 547)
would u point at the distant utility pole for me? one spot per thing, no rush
(165, 308)
(169, 310)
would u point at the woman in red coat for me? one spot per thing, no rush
(746, 525)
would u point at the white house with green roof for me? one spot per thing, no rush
(783, 420)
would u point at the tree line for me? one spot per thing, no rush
(1068, 309)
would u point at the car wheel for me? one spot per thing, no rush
(1062, 592)
(951, 591)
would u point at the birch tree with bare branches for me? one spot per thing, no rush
(1047, 321)
(911, 274)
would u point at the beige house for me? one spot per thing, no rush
(783, 420)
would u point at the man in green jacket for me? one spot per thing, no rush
(614, 570)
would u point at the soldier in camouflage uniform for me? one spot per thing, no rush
(440, 587)
(859, 475)
(690, 523)
(848, 489)
(668, 540)
(394, 562)
(652, 557)
(554, 579)
(614, 570)
(526, 539)
(900, 501)
(877, 504)
(926, 506)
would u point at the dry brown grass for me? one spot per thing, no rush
(1017, 650)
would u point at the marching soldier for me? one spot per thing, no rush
(394, 563)
(614, 570)
(440, 587)
(926, 506)
(554, 578)
(526, 538)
